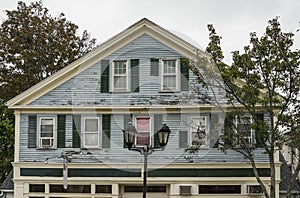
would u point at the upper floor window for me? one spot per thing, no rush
(46, 132)
(169, 75)
(91, 132)
(199, 131)
(243, 128)
(120, 75)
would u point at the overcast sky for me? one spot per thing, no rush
(233, 19)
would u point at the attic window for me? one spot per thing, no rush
(120, 75)
(169, 77)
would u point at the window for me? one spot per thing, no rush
(120, 75)
(55, 188)
(243, 128)
(91, 132)
(169, 75)
(143, 128)
(149, 189)
(36, 187)
(219, 189)
(46, 132)
(199, 131)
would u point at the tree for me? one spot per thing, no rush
(33, 46)
(6, 142)
(264, 78)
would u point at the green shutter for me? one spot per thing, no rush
(157, 125)
(61, 131)
(183, 139)
(135, 75)
(154, 67)
(184, 70)
(258, 139)
(229, 130)
(32, 131)
(214, 132)
(127, 118)
(76, 131)
(104, 76)
(106, 120)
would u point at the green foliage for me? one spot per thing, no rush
(34, 45)
(262, 79)
(6, 142)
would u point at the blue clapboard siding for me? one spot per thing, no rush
(118, 154)
(84, 89)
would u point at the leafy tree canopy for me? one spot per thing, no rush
(34, 45)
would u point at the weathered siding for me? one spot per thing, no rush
(84, 89)
(118, 154)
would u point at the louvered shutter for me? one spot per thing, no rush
(135, 75)
(76, 142)
(154, 67)
(106, 123)
(184, 70)
(258, 144)
(183, 138)
(61, 131)
(104, 76)
(157, 125)
(127, 118)
(32, 131)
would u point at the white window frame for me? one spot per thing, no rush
(84, 132)
(205, 128)
(150, 130)
(250, 138)
(113, 75)
(162, 75)
(53, 138)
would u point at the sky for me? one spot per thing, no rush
(233, 20)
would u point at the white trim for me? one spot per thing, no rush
(112, 75)
(150, 127)
(162, 74)
(143, 26)
(94, 132)
(53, 138)
(251, 138)
(207, 130)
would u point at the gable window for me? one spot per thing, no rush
(169, 75)
(243, 128)
(198, 128)
(120, 75)
(143, 127)
(46, 132)
(91, 132)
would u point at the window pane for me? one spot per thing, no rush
(143, 124)
(199, 133)
(220, 189)
(47, 127)
(91, 139)
(120, 82)
(169, 67)
(143, 128)
(36, 187)
(169, 82)
(120, 67)
(91, 125)
(143, 138)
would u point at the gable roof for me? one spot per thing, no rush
(143, 26)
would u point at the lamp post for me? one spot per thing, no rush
(130, 135)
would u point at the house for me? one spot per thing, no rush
(7, 187)
(69, 140)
